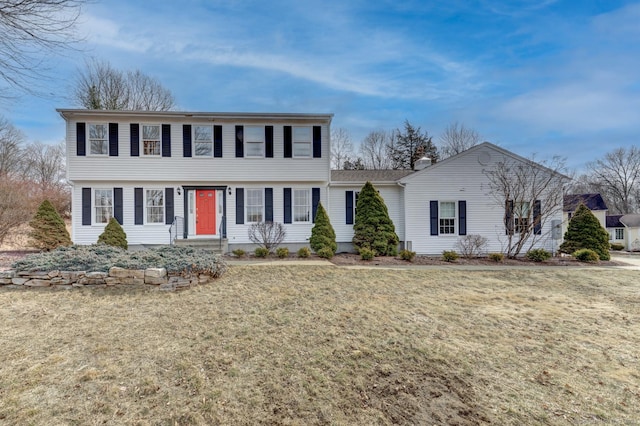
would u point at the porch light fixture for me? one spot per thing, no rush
(179, 190)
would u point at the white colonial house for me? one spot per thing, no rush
(175, 177)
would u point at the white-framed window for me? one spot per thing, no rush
(521, 215)
(619, 233)
(254, 205)
(301, 205)
(447, 219)
(302, 137)
(154, 205)
(203, 141)
(102, 205)
(151, 140)
(98, 143)
(254, 141)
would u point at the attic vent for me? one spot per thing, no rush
(422, 163)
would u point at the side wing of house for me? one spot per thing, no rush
(200, 175)
(454, 198)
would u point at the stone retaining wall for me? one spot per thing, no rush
(116, 276)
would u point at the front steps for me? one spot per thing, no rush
(212, 244)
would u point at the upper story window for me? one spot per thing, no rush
(302, 138)
(254, 141)
(151, 141)
(203, 141)
(302, 205)
(447, 220)
(155, 205)
(103, 205)
(98, 143)
(255, 205)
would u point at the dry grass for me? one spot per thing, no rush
(304, 345)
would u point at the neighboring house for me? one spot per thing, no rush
(176, 176)
(625, 230)
(593, 202)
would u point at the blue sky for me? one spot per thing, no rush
(546, 77)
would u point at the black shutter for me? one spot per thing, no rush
(166, 140)
(186, 140)
(287, 205)
(433, 217)
(315, 200)
(268, 141)
(239, 206)
(217, 141)
(113, 139)
(349, 207)
(168, 206)
(117, 204)
(239, 141)
(86, 206)
(268, 204)
(288, 142)
(138, 203)
(462, 217)
(81, 140)
(317, 142)
(537, 217)
(135, 139)
(508, 217)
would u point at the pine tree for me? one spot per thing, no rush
(48, 230)
(410, 145)
(373, 228)
(585, 232)
(113, 235)
(322, 233)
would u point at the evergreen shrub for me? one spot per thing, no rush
(322, 233)
(373, 228)
(261, 252)
(585, 231)
(304, 252)
(48, 230)
(113, 235)
(496, 257)
(538, 255)
(367, 254)
(586, 255)
(407, 255)
(450, 256)
(282, 252)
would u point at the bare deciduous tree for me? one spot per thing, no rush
(530, 194)
(11, 141)
(374, 150)
(44, 169)
(457, 138)
(617, 178)
(32, 31)
(341, 148)
(16, 208)
(100, 86)
(267, 234)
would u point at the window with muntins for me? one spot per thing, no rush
(619, 233)
(301, 205)
(254, 141)
(203, 141)
(302, 138)
(98, 143)
(103, 205)
(151, 141)
(255, 205)
(447, 220)
(521, 217)
(155, 205)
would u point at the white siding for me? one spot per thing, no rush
(461, 179)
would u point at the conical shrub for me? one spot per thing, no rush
(113, 235)
(48, 230)
(373, 228)
(586, 232)
(322, 233)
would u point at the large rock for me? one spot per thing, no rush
(118, 272)
(7, 274)
(155, 276)
(19, 280)
(38, 283)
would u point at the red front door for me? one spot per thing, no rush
(206, 212)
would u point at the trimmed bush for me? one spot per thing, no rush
(322, 233)
(407, 255)
(325, 253)
(239, 253)
(587, 255)
(367, 254)
(585, 231)
(261, 252)
(450, 256)
(496, 257)
(267, 235)
(538, 255)
(373, 228)
(304, 252)
(101, 257)
(113, 235)
(282, 252)
(47, 228)
(617, 246)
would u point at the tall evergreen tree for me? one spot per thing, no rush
(322, 233)
(409, 146)
(47, 228)
(585, 232)
(373, 228)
